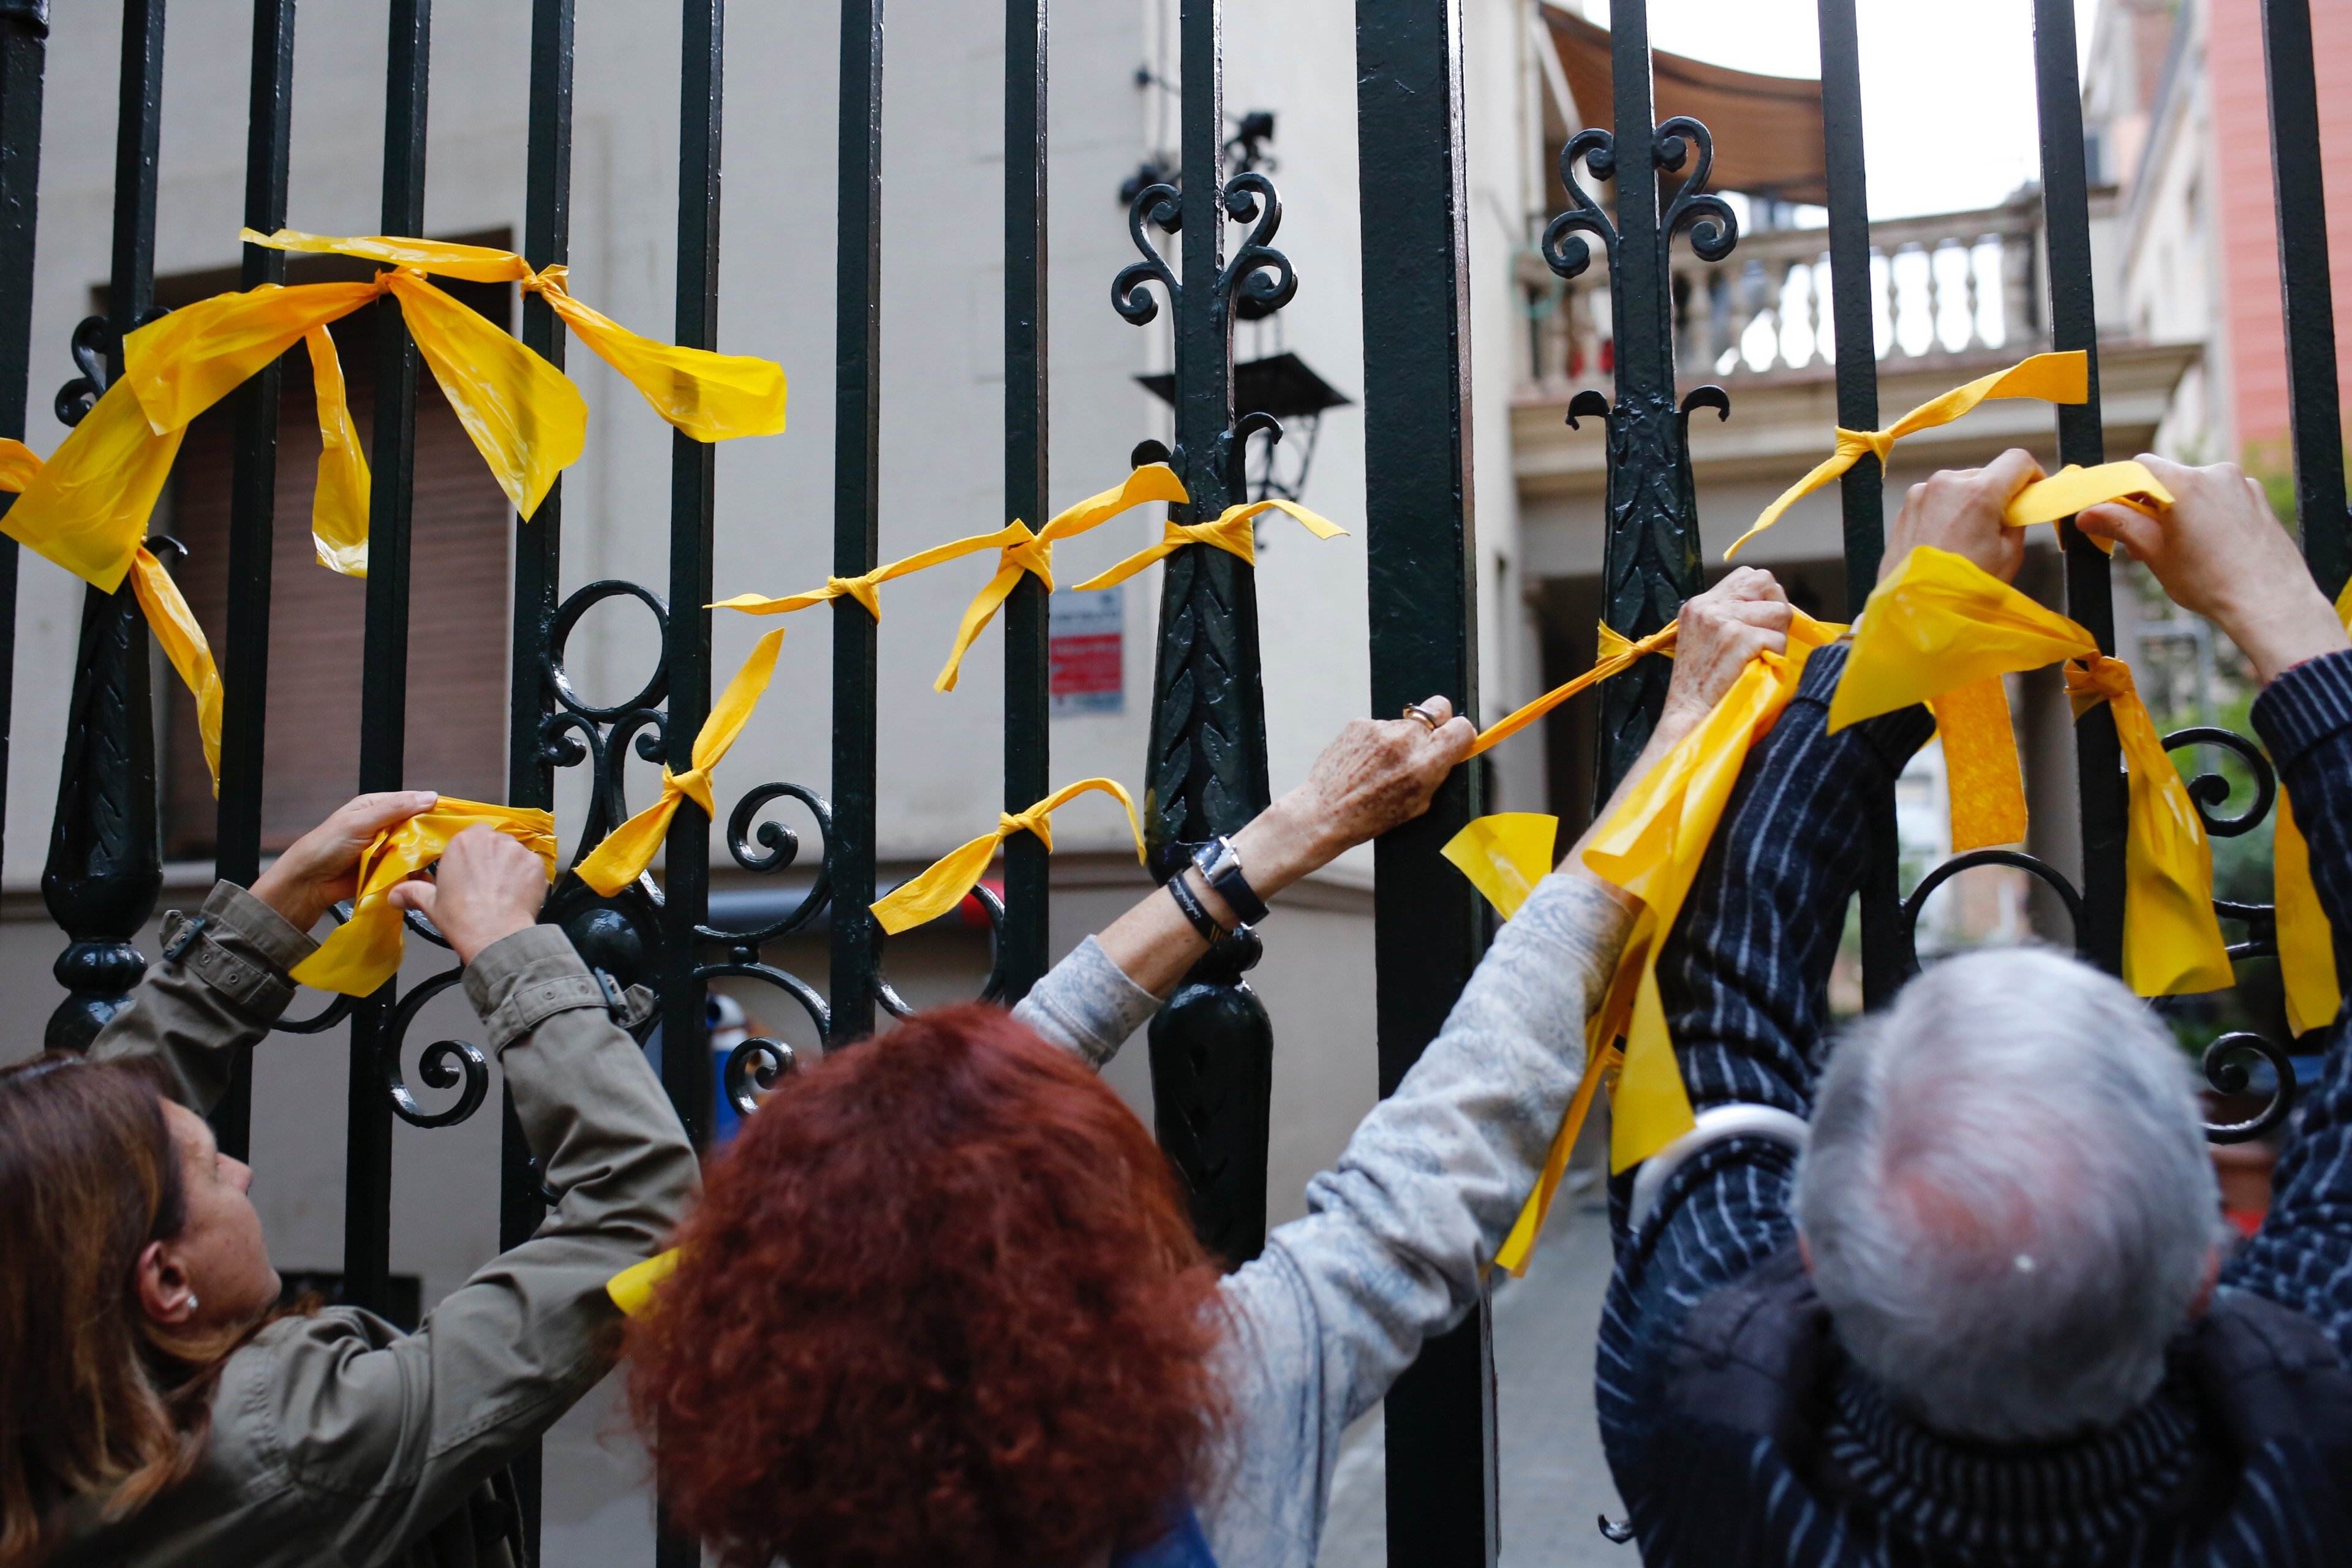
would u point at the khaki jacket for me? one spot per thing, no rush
(336, 1438)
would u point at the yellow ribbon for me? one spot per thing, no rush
(1232, 531)
(2073, 488)
(339, 506)
(1618, 654)
(1939, 624)
(632, 1289)
(102, 550)
(956, 873)
(1506, 854)
(629, 848)
(1650, 847)
(2053, 377)
(2306, 942)
(1023, 551)
(364, 950)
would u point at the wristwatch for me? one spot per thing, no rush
(1220, 865)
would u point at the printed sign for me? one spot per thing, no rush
(1086, 649)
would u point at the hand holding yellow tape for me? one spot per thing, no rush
(364, 950)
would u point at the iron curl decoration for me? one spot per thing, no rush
(991, 908)
(1258, 279)
(2227, 1072)
(1163, 204)
(752, 1069)
(778, 847)
(1916, 900)
(2211, 791)
(1565, 251)
(91, 345)
(746, 1065)
(1714, 226)
(568, 616)
(567, 739)
(445, 1064)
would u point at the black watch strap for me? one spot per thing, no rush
(1221, 866)
(1194, 910)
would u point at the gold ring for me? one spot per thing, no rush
(1415, 710)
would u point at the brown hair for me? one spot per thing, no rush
(941, 1303)
(94, 1397)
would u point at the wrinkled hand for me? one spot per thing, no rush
(1720, 630)
(321, 867)
(488, 887)
(2221, 554)
(1959, 510)
(1377, 773)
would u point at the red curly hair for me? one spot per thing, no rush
(941, 1302)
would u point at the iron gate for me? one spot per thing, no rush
(1206, 770)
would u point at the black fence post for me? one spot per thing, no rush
(24, 58)
(2315, 411)
(1021, 940)
(1421, 557)
(2074, 324)
(1211, 1045)
(252, 509)
(105, 864)
(857, 520)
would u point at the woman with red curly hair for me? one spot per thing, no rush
(941, 1301)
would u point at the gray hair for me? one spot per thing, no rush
(2007, 1197)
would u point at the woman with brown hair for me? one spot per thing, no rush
(156, 1407)
(941, 1302)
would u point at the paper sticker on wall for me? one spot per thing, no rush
(1086, 647)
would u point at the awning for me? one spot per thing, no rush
(1768, 129)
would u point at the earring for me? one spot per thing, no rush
(193, 1304)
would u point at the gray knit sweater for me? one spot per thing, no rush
(1396, 1232)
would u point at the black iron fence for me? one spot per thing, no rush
(1206, 768)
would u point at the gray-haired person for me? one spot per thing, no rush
(1963, 1299)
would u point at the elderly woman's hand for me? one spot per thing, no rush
(322, 866)
(1743, 616)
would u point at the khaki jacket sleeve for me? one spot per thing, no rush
(387, 1434)
(221, 983)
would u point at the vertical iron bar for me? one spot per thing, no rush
(384, 675)
(1021, 948)
(2314, 413)
(1863, 488)
(24, 58)
(538, 557)
(253, 504)
(2074, 324)
(1650, 562)
(857, 512)
(1422, 558)
(105, 865)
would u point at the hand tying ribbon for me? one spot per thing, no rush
(1233, 532)
(1939, 624)
(104, 549)
(525, 418)
(956, 873)
(1650, 847)
(2053, 377)
(364, 950)
(629, 848)
(1618, 653)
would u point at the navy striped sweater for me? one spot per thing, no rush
(2244, 1456)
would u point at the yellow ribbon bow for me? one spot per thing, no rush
(629, 848)
(364, 950)
(108, 549)
(1650, 847)
(2306, 942)
(2053, 377)
(1034, 552)
(1233, 532)
(1618, 654)
(956, 873)
(1939, 624)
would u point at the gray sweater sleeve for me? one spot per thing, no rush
(1086, 1004)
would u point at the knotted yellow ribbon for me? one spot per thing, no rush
(1650, 847)
(1034, 552)
(365, 952)
(1939, 624)
(1618, 654)
(102, 545)
(2306, 942)
(2053, 377)
(956, 873)
(1233, 532)
(629, 848)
